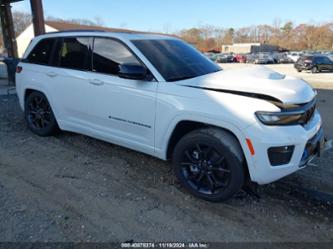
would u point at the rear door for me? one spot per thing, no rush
(69, 78)
(36, 68)
(323, 63)
(327, 63)
(320, 63)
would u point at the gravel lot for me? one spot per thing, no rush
(75, 188)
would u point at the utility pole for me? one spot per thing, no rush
(37, 17)
(7, 26)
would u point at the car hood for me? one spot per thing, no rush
(256, 80)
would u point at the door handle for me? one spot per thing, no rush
(52, 74)
(96, 82)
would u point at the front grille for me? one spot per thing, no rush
(308, 114)
(306, 111)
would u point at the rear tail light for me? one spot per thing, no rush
(19, 69)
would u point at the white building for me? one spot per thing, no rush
(244, 48)
(27, 35)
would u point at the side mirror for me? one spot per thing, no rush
(132, 71)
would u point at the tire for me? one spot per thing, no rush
(314, 70)
(299, 70)
(39, 115)
(209, 163)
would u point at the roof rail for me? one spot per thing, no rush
(77, 30)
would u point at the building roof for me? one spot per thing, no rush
(63, 26)
(67, 26)
(243, 44)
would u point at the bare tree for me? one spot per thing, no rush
(207, 37)
(21, 21)
(301, 37)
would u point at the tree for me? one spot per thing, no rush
(287, 28)
(229, 36)
(301, 37)
(207, 37)
(21, 21)
(193, 36)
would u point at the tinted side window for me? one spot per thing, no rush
(326, 60)
(322, 60)
(41, 53)
(75, 53)
(318, 60)
(108, 54)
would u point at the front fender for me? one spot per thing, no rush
(238, 133)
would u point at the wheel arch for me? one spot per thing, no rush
(30, 90)
(186, 126)
(180, 130)
(183, 127)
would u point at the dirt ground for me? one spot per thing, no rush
(75, 188)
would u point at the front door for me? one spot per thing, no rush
(122, 107)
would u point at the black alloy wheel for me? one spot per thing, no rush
(205, 169)
(39, 115)
(209, 163)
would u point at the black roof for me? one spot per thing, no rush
(9, 1)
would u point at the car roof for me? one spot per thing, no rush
(317, 56)
(118, 35)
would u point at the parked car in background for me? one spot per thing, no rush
(264, 59)
(281, 58)
(315, 64)
(294, 56)
(240, 58)
(250, 58)
(211, 56)
(225, 58)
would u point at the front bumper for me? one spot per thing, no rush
(308, 142)
(314, 147)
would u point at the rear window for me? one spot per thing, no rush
(41, 53)
(75, 53)
(306, 58)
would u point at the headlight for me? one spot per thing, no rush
(280, 118)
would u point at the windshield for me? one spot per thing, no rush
(175, 60)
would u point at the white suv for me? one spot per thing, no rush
(158, 95)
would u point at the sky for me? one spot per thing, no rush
(174, 15)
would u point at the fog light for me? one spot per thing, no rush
(280, 155)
